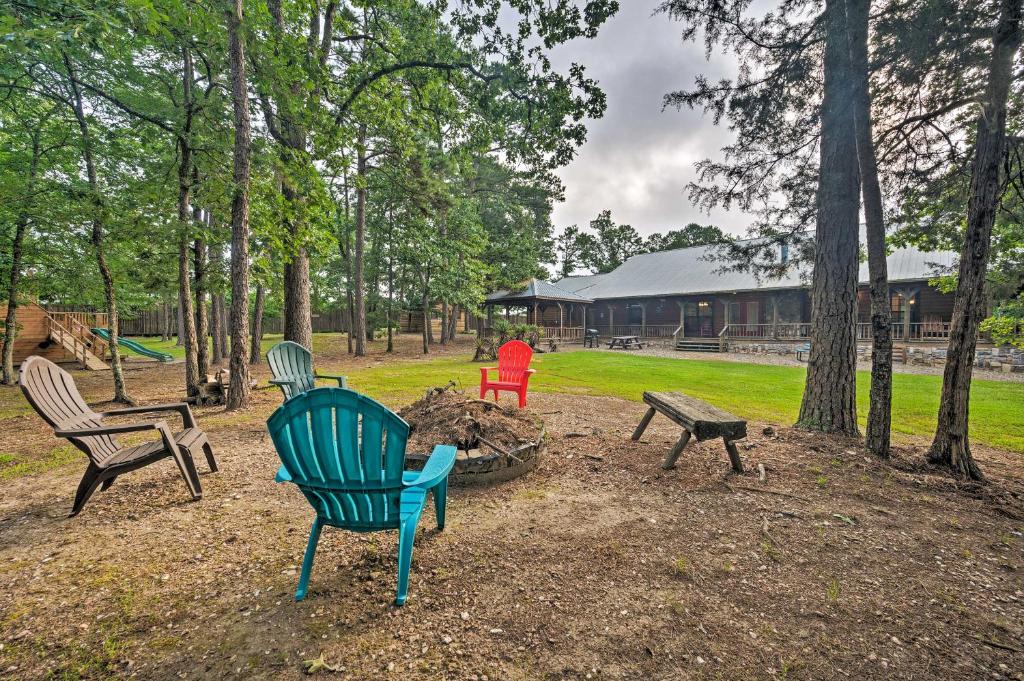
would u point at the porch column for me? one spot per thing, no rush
(643, 319)
(611, 320)
(907, 293)
(536, 320)
(682, 318)
(559, 321)
(775, 316)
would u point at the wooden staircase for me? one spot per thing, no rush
(72, 333)
(702, 345)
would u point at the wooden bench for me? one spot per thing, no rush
(698, 419)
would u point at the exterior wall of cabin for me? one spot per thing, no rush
(747, 313)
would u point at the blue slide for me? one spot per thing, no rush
(134, 347)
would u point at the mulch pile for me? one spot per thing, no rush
(448, 416)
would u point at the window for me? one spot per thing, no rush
(752, 317)
(733, 313)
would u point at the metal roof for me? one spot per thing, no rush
(537, 289)
(687, 271)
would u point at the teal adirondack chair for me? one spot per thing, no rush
(346, 453)
(292, 367)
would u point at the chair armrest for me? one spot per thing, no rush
(484, 370)
(283, 383)
(342, 380)
(436, 469)
(530, 372)
(283, 475)
(188, 420)
(112, 429)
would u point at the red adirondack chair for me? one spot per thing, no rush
(513, 375)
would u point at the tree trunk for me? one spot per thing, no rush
(109, 294)
(951, 446)
(218, 316)
(880, 410)
(391, 282)
(202, 323)
(255, 349)
(830, 397)
(359, 284)
(298, 320)
(239, 389)
(224, 324)
(165, 321)
(17, 247)
(178, 342)
(292, 108)
(188, 328)
(425, 307)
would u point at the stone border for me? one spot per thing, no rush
(491, 468)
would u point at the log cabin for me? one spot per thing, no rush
(683, 297)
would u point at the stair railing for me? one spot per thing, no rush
(80, 332)
(722, 335)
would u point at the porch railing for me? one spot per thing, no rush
(916, 331)
(567, 334)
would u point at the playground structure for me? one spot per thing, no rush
(59, 336)
(65, 337)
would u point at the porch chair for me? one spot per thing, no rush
(292, 368)
(513, 372)
(346, 454)
(52, 393)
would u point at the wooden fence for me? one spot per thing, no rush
(151, 322)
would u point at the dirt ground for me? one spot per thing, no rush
(598, 564)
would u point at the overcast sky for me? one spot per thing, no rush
(638, 159)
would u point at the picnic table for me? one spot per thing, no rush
(625, 342)
(698, 419)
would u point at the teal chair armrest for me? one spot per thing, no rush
(437, 468)
(342, 380)
(283, 475)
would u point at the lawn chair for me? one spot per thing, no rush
(513, 375)
(292, 367)
(346, 453)
(802, 350)
(52, 393)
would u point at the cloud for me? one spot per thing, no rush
(638, 159)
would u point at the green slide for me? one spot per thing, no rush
(134, 347)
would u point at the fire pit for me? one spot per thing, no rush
(496, 443)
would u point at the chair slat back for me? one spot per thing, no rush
(52, 393)
(513, 359)
(346, 452)
(291, 360)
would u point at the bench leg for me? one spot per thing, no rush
(644, 422)
(734, 456)
(670, 460)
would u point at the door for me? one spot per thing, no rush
(698, 319)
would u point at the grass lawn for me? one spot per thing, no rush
(755, 391)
